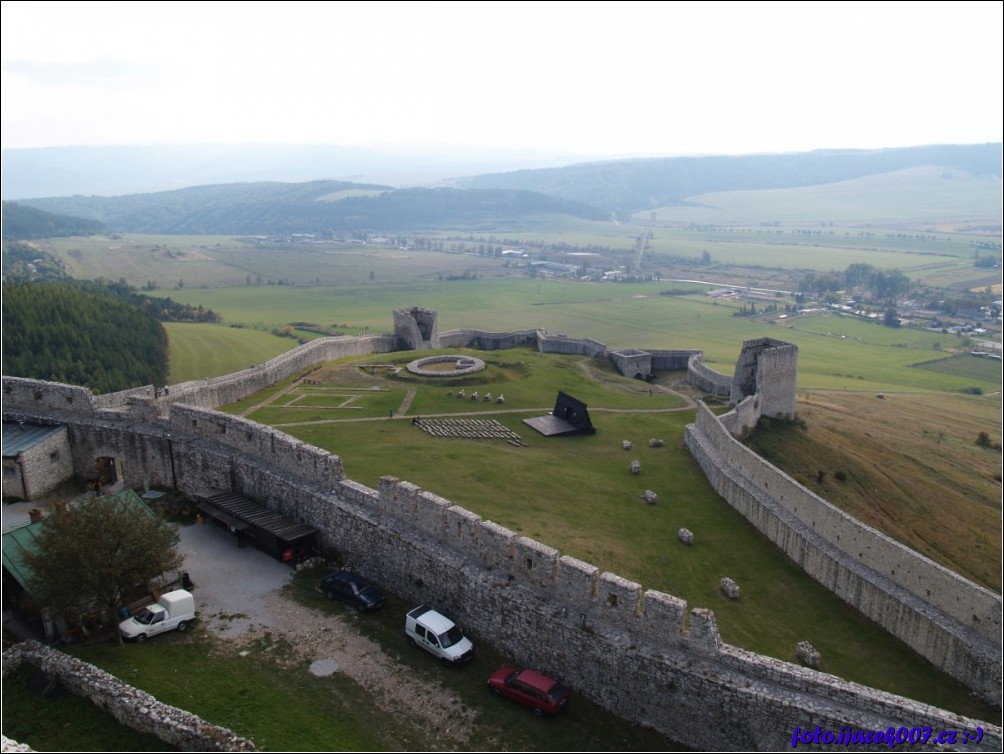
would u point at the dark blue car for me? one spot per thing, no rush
(350, 588)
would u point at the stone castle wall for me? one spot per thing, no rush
(230, 388)
(705, 378)
(487, 341)
(672, 360)
(631, 362)
(129, 706)
(566, 345)
(953, 622)
(524, 597)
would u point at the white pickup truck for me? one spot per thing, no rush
(174, 610)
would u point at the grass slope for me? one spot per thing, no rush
(199, 351)
(910, 466)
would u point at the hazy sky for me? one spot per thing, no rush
(595, 78)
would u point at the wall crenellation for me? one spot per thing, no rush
(544, 608)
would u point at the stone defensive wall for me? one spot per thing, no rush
(566, 345)
(951, 621)
(672, 360)
(641, 653)
(230, 388)
(705, 378)
(129, 706)
(487, 341)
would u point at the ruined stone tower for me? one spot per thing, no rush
(416, 329)
(767, 367)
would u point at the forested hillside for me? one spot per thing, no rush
(60, 332)
(595, 191)
(21, 222)
(317, 207)
(628, 186)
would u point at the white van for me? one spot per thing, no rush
(437, 635)
(174, 610)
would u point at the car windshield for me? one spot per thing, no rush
(451, 637)
(144, 616)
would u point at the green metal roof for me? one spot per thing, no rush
(18, 437)
(15, 543)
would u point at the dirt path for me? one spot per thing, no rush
(406, 403)
(332, 645)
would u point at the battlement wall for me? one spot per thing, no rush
(632, 362)
(673, 360)
(953, 622)
(247, 437)
(488, 341)
(566, 345)
(705, 378)
(231, 388)
(48, 395)
(526, 598)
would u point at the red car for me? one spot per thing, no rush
(545, 696)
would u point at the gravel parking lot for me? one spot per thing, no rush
(238, 594)
(239, 600)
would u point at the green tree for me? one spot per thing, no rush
(93, 556)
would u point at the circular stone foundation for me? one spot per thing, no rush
(461, 365)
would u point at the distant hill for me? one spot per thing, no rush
(594, 190)
(627, 186)
(314, 207)
(22, 223)
(133, 169)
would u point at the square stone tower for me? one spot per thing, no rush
(767, 367)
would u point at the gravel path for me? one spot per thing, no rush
(238, 594)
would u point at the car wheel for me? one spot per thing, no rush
(183, 626)
(412, 641)
(538, 711)
(141, 638)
